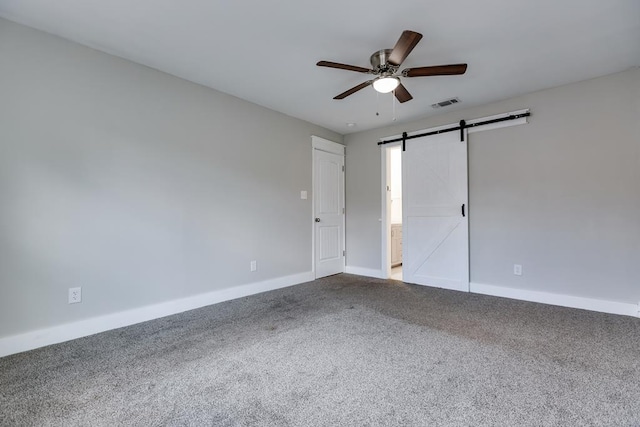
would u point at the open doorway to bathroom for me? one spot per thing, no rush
(394, 211)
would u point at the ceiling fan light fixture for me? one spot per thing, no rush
(386, 84)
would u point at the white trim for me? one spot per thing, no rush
(82, 328)
(313, 208)
(326, 145)
(604, 306)
(368, 272)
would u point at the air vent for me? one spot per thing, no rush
(446, 103)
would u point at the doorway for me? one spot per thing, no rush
(394, 212)
(328, 207)
(425, 227)
(435, 221)
(392, 256)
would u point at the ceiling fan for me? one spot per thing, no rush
(385, 64)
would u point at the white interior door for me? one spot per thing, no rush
(434, 204)
(328, 194)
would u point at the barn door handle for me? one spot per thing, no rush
(463, 210)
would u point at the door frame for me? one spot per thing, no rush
(386, 205)
(321, 144)
(385, 248)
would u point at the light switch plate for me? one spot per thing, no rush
(303, 195)
(517, 269)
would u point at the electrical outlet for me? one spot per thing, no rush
(75, 295)
(254, 266)
(517, 269)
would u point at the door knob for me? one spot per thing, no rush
(317, 219)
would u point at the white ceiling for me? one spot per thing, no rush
(266, 51)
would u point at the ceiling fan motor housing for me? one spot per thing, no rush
(380, 62)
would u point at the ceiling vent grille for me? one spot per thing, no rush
(446, 103)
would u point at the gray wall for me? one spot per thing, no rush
(136, 185)
(560, 195)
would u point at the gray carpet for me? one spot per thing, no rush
(344, 350)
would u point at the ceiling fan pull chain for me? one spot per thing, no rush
(393, 103)
(377, 103)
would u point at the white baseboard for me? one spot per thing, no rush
(368, 272)
(82, 328)
(603, 306)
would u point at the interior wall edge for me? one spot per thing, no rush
(136, 185)
(577, 154)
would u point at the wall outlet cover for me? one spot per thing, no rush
(75, 295)
(253, 266)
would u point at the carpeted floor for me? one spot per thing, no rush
(344, 350)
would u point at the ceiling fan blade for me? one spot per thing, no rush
(402, 94)
(343, 66)
(405, 44)
(353, 90)
(437, 70)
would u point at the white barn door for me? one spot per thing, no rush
(434, 207)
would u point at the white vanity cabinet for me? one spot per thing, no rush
(396, 244)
